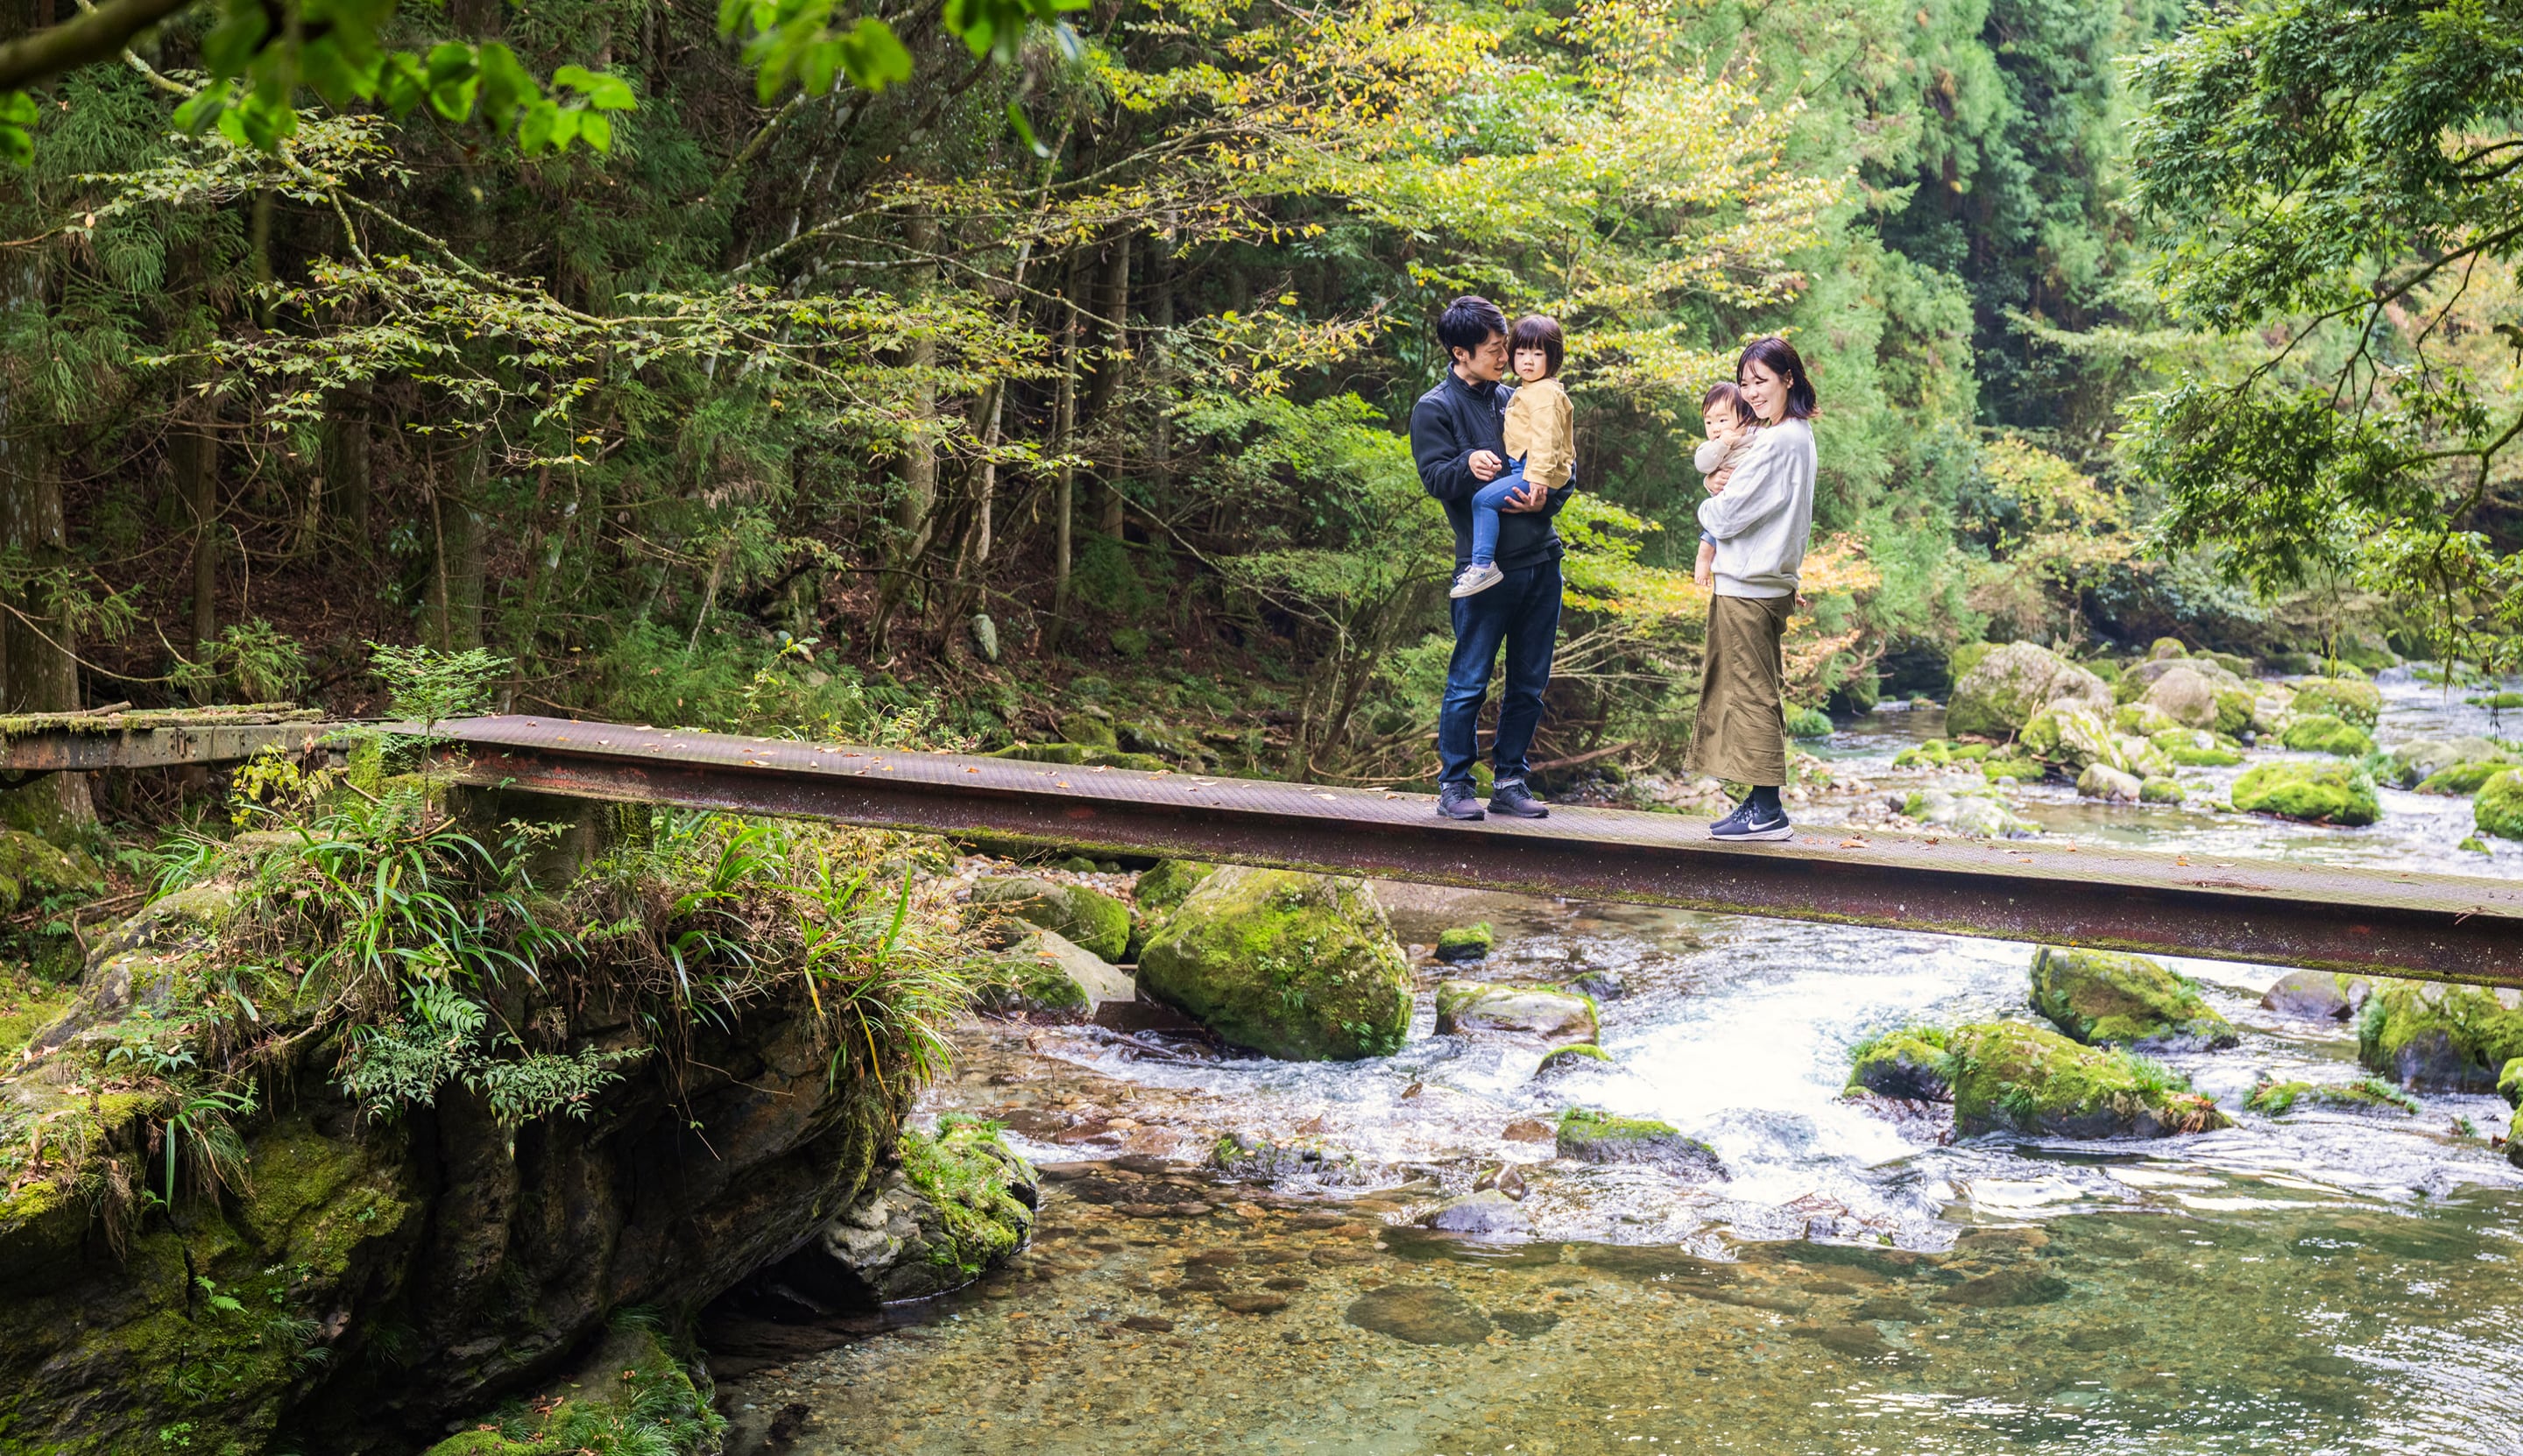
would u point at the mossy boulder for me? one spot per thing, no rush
(2011, 1076)
(1477, 1007)
(2319, 995)
(2499, 805)
(2320, 733)
(2104, 998)
(1165, 884)
(1299, 967)
(2348, 699)
(2509, 1082)
(2072, 739)
(1593, 1136)
(1807, 722)
(2146, 722)
(1089, 729)
(2185, 694)
(2103, 782)
(1569, 1059)
(2014, 769)
(1460, 942)
(2315, 793)
(32, 869)
(2006, 687)
(2412, 765)
(1046, 975)
(958, 1203)
(2368, 1095)
(2195, 748)
(2432, 1037)
(630, 1393)
(1974, 814)
(1938, 753)
(1909, 1064)
(2461, 780)
(2161, 791)
(2164, 649)
(1093, 919)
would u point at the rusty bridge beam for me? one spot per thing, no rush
(2296, 913)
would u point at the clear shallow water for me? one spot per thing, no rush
(2328, 1282)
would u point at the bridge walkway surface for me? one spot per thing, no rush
(2296, 913)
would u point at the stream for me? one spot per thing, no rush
(2325, 1282)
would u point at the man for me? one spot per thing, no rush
(1459, 437)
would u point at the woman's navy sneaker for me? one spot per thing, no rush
(1747, 821)
(1457, 801)
(1511, 798)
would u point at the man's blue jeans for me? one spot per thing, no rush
(1520, 614)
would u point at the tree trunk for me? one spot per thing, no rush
(920, 453)
(1113, 302)
(1063, 421)
(38, 673)
(454, 606)
(347, 469)
(193, 457)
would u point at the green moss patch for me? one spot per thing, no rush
(2011, 1076)
(2499, 805)
(2314, 793)
(1593, 1136)
(1466, 942)
(2371, 1093)
(2350, 700)
(969, 1175)
(2462, 781)
(1911, 1064)
(2437, 1037)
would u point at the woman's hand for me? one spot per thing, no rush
(1716, 483)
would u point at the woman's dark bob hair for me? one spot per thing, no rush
(1538, 331)
(1778, 356)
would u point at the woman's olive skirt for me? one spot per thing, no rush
(1742, 733)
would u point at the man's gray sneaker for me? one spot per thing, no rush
(1748, 823)
(1511, 798)
(1457, 801)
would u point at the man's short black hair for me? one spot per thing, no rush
(1469, 322)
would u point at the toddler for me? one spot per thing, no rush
(1540, 442)
(1732, 424)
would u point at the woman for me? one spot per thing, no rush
(1760, 511)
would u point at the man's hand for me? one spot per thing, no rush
(1530, 498)
(1716, 483)
(1484, 464)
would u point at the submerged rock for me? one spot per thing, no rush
(1047, 975)
(1299, 967)
(2315, 793)
(1093, 919)
(1593, 1137)
(2432, 1037)
(1422, 1314)
(2103, 782)
(1465, 942)
(2321, 994)
(2010, 1076)
(958, 1205)
(1471, 1007)
(2006, 687)
(2103, 998)
(1483, 1216)
(1569, 1059)
(2370, 1094)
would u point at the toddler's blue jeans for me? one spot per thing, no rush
(1484, 512)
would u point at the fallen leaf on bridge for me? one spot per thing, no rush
(1853, 844)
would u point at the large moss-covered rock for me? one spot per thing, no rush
(2006, 688)
(2461, 780)
(2412, 765)
(2348, 699)
(2104, 998)
(2435, 1037)
(2320, 733)
(1088, 916)
(2072, 739)
(2013, 1076)
(1046, 975)
(1593, 1136)
(1299, 967)
(2368, 1095)
(2499, 805)
(32, 869)
(1551, 1015)
(957, 1204)
(2184, 694)
(1167, 883)
(2315, 793)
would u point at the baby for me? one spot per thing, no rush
(1541, 442)
(1732, 424)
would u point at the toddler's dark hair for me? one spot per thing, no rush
(1538, 331)
(1732, 397)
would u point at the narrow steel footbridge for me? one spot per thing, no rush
(2321, 916)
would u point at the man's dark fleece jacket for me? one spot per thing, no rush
(1448, 424)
